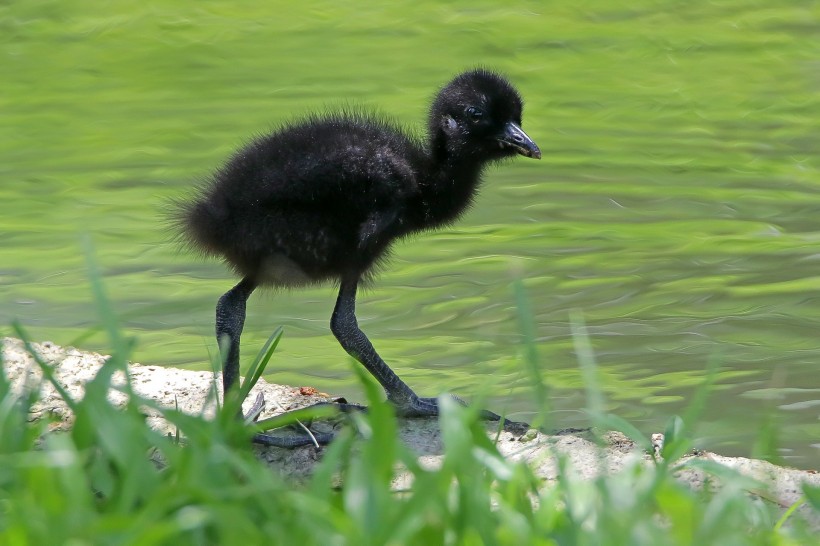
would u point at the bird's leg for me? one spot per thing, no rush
(230, 320)
(346, 329)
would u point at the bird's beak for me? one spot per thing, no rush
(515, 137)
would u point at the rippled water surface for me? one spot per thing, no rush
(675, 210)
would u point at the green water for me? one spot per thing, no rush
(676, 206)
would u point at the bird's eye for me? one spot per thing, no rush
(474, 113)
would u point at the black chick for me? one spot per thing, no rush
(323, 198)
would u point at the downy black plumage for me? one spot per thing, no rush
(323, 198)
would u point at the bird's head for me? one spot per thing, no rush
(478, 114)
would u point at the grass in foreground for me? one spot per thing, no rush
(100, 483)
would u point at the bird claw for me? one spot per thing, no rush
(428, 407)
(255, 410)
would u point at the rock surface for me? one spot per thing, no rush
(191, 392)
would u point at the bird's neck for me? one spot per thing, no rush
(448, 190)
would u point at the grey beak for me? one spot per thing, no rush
(515, 137)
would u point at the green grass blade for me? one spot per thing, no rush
(291, 417)
(589, 370)
(526, 325)
(234, 399)
(259, 364)
(48, 371)
(614, 422)
(788, 513)
(108, 317)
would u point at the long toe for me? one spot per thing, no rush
(428, 407)
(293, 440)
(515, 427)
(343, 407)
(255, 410)
(418, 407)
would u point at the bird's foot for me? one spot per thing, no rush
(428, 407)
(303, 435)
